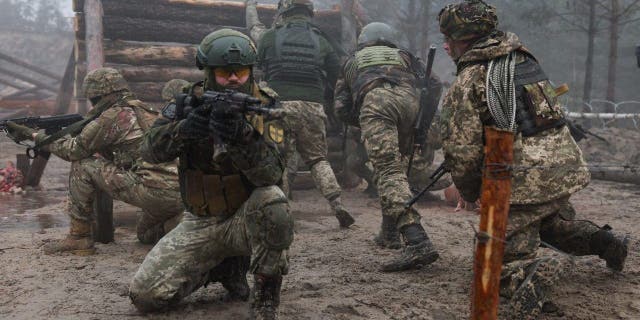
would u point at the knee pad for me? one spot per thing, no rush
(276, 226)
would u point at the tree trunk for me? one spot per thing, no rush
(588, 75)
(349, 26)
(426, 20)
(93, 20)
(613, 52)
(411, 26)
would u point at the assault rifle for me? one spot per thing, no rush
(239, 102)
(50, 125)
(425, 115)
(435, 177)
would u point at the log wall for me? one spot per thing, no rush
(154, 41)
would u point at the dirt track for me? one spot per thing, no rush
(333, 272)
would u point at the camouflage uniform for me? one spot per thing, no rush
(550, 166)
(377, 93)
(235, 209)
(172, 88)
(105, 157)
(300, 77)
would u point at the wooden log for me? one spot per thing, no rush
(94, 34)
(12, 84)
(37, 169)
(157, 73)
(139, 54)
(80, 50)
(79, 26)
(65, 92)
(28, 66)
(135, 29)
(22, 93)
(623, 175)
(147, 91)
(494, 212)
(22, 77)
(23, 164)
(41, 107)
(80, 101)
(103, 230)
(224, 13)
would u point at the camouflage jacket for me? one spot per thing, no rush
(258, 163)
(116, 135)
(548, 165)
(353, 84)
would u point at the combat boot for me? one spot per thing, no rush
(389, 236)
(419, 251)
(266, 297)
(232, 274)
(78, 241)
(611, 248)
(527, 301)
(344, 218)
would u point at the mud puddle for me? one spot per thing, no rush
(21, 211)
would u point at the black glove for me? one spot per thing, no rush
(196, 125)
(229, 124)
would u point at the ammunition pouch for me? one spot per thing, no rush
(214, 195)
(537, 107)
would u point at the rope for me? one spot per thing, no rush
(501, 93)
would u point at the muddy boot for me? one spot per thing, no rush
(611, 248)
(419, 251)
(78, 241)
(388, 237)
(527, 301)
(266, 297)
(343, 216)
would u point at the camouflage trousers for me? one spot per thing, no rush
(386, 120)
(528, 274)
(307, 134)
(160, 206)
(180, 262)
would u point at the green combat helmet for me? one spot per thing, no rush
(285, 6)
(225, 47)
(468, 20)
(103, 81)
(173, 87)
(377, 33)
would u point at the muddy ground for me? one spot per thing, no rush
(334, 273)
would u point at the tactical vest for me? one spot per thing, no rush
(537, 107)
(296, 59)
(218, 189)
(377, 64)
(127, 157)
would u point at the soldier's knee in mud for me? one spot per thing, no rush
(146, 301)
(270, 222)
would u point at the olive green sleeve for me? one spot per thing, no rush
(331, 62)
(160, 143)
(108, 128)
(343, 99)
(255, 27)
(462, 132)
(259, 161)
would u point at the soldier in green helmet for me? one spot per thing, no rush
(105, 156)
(300, 64)
(237, 217)
(172, 88)
(377, 92)
(492, 63)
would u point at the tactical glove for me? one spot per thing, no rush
(230, 125)
(19, 133)
(196, 125)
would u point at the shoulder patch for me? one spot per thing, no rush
(268, 92)
(276, 132)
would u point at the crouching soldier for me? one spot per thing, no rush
(229, 171)
(105, 156)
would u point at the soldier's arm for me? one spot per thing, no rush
(259, 161)
(161, 142)
(255, 27)
(462, 133)
(331, 62)
(108, 128)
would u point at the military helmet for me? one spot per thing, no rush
(173, 87)
(103, 81)
(285, 6)
(224, 47)
(468, 20)
(378, 32)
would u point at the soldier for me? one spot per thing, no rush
(377, 93)
(234, 207)
(298, 62)
(552, 166)
(104, 156)
(172, 88)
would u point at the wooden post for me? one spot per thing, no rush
(65, 92)
(103, 230)
(23, 164)
(93, 35)
(37, 169)
(496, 193)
